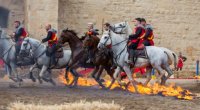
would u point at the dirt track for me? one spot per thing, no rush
(47, 94)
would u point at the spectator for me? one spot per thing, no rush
(181, 59)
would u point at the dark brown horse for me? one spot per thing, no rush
(79, 55)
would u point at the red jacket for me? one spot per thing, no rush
(139, 34)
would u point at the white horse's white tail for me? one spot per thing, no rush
(173, 58)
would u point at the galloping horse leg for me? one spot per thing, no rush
(66, 74)
(98, 77)
(68, 68)
(99, 74)
(163, 77)
(94, 72)
(44, 69)
(9, 73)
(75, 80)
(162, 73)
(110, 73)
(170, 72)
(14, 70)
(50, 78)
(148, 73)
(31, 73)
(117, 71)
(98, 70)
(129, 74)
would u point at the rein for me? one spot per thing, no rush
(6, 51)
(110, 46)
(35, 49)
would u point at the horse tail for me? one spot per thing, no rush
(172, 57)
(175, 60)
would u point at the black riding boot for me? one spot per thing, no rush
(131, 56)
(90, 56)
(53, 59)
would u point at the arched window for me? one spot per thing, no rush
(4, 13)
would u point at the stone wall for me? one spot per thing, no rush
(38, 14)
(175, 22)
(16, 12)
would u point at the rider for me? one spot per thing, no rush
(134, 39)
(19, 35)
(148, 38)
(52, 41)
(91, 32)
(107, 26)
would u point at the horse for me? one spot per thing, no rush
(157, 58)
(38, 50)
(8, 53)
(124, 30)
(78, 51)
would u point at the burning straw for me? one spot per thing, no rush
(155, 89)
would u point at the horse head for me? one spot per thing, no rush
(66, 35)
(105, 40)
(122, 28)
(25, 47)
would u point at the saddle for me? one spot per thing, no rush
(141, 53)
(58, 54)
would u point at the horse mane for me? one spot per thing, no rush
(71, 31)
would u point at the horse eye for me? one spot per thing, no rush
(105, 37)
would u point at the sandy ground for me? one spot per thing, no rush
(48, 94)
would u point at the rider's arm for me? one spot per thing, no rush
(136, 35)
(48, 37)
(95, 32)
(18, 34)
(148, 31)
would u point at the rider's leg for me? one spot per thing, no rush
(132, 55)
(53, 58)
(90, 55)
(110, 53)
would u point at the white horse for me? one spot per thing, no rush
(38, 51)
(124, 30)
(7, 54)
(157, 58)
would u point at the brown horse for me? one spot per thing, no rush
(79, 56)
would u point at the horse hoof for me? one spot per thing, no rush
(101, 80)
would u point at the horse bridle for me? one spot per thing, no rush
(118, 55)
(121, 26)
(109, 37)
(29, 50)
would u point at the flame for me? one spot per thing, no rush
(155, 89)
(82, 81)
(197, 77)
